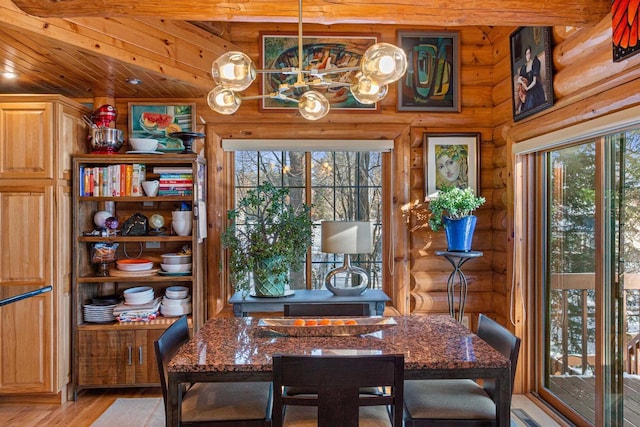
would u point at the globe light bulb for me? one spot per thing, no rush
(384, 63)
(366, 91)
(223, 100)
(233, 70)
(313, 105)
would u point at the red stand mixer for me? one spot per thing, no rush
(104, 137)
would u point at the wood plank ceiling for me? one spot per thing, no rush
(88, 49)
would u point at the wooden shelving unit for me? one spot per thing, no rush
(121, 354)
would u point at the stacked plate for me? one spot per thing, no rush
(176, 301)
(137, 264)
(138, 295)
(101, 309)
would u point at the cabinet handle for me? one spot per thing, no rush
(130, 349)
(140, 355)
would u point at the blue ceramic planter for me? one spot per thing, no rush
(459, 233)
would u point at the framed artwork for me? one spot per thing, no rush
(625, 20)
(319, 51)
(157, 121)
(432, 80)
(531, 68)
(451, 159)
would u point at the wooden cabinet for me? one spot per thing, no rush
(38, 133)
(116, 353)
(108, 357)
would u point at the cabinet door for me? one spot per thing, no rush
(146, 366)
(106, 357)
(25, 348)
(26, 140)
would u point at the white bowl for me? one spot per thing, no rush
(138, 295)
(143, 144)
(171, 301)
(176, 268)
(175, 258)
(176, 292)
(178, 310)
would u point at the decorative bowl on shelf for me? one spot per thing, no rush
(143, 144)
(176, 258)
(176, 292)
(176, 268)
(138, 295)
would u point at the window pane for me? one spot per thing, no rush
(344, 186)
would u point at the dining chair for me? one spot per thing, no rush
(246, 404)
(321, 309)
(337, 380)
(461, 402)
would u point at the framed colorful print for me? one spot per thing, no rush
(319, 51)
(451, 159)
(432, 80)
(625, 21)
(531, 68)
(157, 121)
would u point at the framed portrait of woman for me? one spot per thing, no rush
(451, 159)
(531, 68)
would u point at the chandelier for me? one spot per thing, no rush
(233, 72)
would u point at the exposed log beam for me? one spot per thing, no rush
(397, 12)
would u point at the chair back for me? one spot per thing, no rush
(501, 339)
(338, 379)
(311, 309)
(167, 345)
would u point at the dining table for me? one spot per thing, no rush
(232, 349)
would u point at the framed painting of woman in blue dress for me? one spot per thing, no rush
(531, 67)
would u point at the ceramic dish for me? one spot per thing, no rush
(178, 310)
(176, 292)
(134, 264)
(172, 301)
(176, 268)
(144, 152)
(176, 258)
(166, 273)
(363, 325)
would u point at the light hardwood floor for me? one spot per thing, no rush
(92, 403)
(81, 413)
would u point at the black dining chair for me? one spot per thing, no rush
(216, 404)
(322, 309)
(337, 380)
(461, 402)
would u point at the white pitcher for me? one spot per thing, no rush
(182, 222)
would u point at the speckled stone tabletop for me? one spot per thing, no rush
(237, 349)
(428, 343)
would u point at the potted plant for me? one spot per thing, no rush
(267, 237)
(453, 208)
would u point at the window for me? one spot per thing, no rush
(340, 185)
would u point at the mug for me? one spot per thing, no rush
(151, 187)
(182, 221)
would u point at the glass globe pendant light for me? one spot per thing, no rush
(223, 100)
(366, 91)
(384, 63)
(313, 105)
(233, 70)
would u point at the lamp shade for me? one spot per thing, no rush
(347, 237)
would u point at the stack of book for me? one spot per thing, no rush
(175, 181)
(112, 181)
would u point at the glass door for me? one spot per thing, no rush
(591, 285)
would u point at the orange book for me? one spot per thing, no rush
(128, 176)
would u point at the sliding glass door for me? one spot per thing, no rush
(590, 250)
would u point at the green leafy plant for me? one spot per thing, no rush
(266, 230)
(454, 203)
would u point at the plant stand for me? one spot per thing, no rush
(457, 259)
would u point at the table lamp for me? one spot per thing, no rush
(347, 237)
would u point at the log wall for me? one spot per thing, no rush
(417, 278)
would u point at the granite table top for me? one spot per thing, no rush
(434, 346)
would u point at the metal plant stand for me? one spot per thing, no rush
(457, 259)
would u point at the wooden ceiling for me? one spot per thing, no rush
(88, 49)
